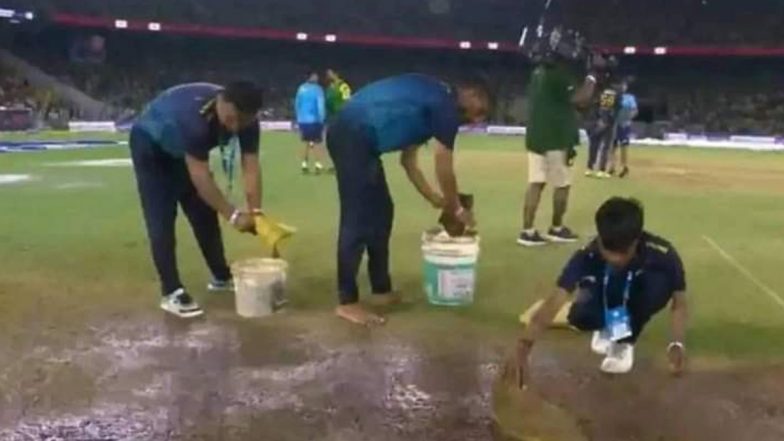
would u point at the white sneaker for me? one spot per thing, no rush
(181, 304)
(600, 343)
(221, 285)
(619, 360)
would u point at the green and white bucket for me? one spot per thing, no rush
(450, 268)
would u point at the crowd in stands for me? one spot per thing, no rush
(609, 22)
(16, 93)
(711, 96)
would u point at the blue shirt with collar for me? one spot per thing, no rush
(182, 120)
(404, 111)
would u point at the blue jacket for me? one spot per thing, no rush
(309, 104)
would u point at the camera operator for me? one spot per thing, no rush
(554, 95)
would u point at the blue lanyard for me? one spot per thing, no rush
(626, 290)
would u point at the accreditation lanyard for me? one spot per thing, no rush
(228, 157)
(617, 321)
(626, 289)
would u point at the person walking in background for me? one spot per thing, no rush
(623, 138)
(170, 145)
(309, 106)
(338, 92)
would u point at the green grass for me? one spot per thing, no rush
(83, 250)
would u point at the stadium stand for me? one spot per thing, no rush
(705, 96)
(612, 22)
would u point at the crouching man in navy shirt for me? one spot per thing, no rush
(621, 279)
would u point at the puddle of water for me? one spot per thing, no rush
(208, 381)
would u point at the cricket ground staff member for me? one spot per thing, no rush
(395, 114)
(170, 145)
(622, 278)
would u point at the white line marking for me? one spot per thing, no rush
(743, 270)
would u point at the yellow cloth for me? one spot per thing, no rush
(272, 233)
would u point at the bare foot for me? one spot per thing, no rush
(357, 314)
(386, 299)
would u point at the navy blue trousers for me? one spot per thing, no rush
(366, 210)
(163, 182)
(650, 294)
(600, 147)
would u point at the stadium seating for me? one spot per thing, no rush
(611, 22)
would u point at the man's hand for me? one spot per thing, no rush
(244, 222)
(522, 355)
(676, 354)
(466, 216)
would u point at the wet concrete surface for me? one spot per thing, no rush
(291, 377)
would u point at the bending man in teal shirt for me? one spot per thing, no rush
(395, 114)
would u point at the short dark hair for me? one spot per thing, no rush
(477, 84)
(246, 96)
(619, 222)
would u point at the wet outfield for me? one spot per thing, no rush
(286, 378)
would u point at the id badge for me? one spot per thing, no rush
(618, 324)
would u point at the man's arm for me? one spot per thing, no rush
(679, 318)
(208, 190)
(409, 161)
(582, 97)
(445, 174)
(251, 178)
(322, 108)
(545, 315)
(541, 319)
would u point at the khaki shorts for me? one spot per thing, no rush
(549, 168)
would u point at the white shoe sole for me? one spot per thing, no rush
(178, 313)
(557, 239)
(609, 367)
(617, 366)
(600, 346)
(526, 243)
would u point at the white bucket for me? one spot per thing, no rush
(260, 286)
(450, 268)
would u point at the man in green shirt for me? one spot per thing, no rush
(338, 93)
(551, 135)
